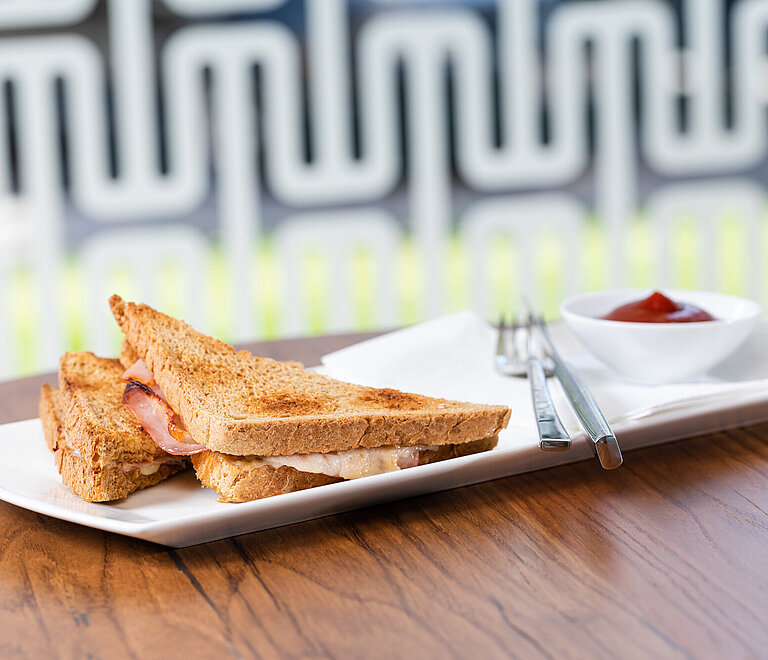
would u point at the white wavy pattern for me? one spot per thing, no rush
(418, 43)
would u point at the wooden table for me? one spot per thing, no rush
(665, 557)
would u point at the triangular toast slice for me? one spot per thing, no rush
(246, 478)
(101, 452)
(235, 403)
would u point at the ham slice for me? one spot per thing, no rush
(139, 372)
(158, 420)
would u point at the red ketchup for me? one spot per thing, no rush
(657, 308)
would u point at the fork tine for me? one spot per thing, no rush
(505, 351)
(500, 347)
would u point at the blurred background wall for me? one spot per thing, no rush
(266, 168)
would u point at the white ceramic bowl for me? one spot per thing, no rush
(656, 353)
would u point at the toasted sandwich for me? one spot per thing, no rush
(100, 451)
(255, 427)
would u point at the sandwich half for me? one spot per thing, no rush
(100, 451)
(255, 427)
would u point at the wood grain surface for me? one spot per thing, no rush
(666, 557)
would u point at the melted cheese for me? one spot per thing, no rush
(150, 467)
(351, 464)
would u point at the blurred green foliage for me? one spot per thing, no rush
(548, 260)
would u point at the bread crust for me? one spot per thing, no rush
(444, 452)
(51, 416)
(80, 472)
(239, 404)
(237, 480)
(127, 355)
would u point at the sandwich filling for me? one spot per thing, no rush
(147, 402)
(351, 464)
(150, 467)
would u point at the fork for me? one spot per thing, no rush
(517, 355)
(515, 341)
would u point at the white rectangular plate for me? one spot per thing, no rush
(178, 512)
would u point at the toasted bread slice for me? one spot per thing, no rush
(235, 403)
(101, 452)
(238, 479)
(242, 478)
(51, 415)
(127, 355)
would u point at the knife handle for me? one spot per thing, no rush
(592, 420)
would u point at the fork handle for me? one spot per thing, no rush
(552, 433)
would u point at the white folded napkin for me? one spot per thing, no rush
(453, 357)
